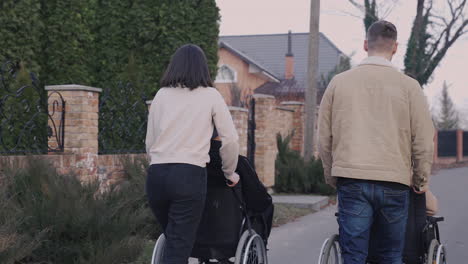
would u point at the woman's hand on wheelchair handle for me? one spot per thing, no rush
(233, 180)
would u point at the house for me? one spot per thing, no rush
(273, 64)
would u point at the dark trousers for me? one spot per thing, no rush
(176, 194)
(365, 207)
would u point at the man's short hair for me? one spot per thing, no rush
(381, 36)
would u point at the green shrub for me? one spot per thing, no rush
(295, 175)
(50, 218)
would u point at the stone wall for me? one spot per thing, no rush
(111, 167)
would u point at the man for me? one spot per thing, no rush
(375, 141)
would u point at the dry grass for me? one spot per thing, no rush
(287, 213)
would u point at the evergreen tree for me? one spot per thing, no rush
(448, 117)
(20, 32)
(67, 42)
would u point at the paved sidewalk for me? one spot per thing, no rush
(299, 242)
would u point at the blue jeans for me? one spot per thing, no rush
(367, 205)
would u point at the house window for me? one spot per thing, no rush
(226, 74)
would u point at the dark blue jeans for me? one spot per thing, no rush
(367, 205)
(176, 194)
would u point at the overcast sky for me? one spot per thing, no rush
(340, 22)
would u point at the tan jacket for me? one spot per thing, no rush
(375, 124)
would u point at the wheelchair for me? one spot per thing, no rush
(250, 246)
(228, 232)
(433, 251)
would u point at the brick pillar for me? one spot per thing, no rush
(240, 117)
(265, 138)
(436, 147)
(459, 145)
(81, 128)
(297, 142)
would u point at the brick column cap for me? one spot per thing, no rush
(72, 87)
(235, 108)
(285, 109)
(263, 96)
(292, 103)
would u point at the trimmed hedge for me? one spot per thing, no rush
(101, 42)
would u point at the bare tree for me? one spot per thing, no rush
(431, 35)
(311, 92)
(373, 10)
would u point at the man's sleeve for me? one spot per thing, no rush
(325, 133)
(422, 138)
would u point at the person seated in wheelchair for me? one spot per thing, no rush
(422, 208)
(226, 209)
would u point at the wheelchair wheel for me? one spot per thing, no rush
(441, 255)
(436, 253)
(251, 249)
(432, 251)
(330, 252)
(158, 250)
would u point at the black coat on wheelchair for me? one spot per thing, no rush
(230, 211)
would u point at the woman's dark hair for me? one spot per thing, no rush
(188, 68)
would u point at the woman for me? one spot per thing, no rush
(180, 124)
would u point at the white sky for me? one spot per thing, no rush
(340, 22)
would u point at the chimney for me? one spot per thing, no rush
(289, 73)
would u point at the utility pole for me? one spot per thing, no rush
(312, 72)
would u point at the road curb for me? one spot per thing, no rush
(318, 202)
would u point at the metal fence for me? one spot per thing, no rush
(465, 143)
(27, 121)
(123, 117)
(447, 143)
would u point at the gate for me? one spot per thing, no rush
(251, 126)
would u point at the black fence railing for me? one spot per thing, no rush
(26, 122)
(465, 143)
(251, 127)
(123, 117)
(447, 143)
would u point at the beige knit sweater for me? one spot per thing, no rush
(180, 126)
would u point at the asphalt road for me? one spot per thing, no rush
(300, 242)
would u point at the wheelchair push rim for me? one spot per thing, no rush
(158, 250)
(437, 253)
(251, 249)
(330, 252)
